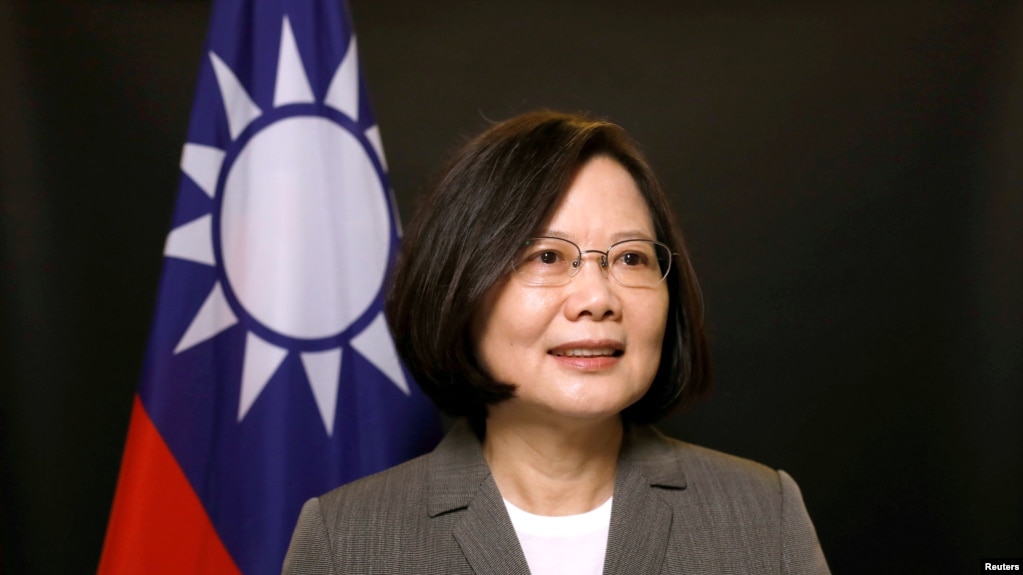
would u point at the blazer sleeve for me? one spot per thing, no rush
(801, 552)
(309, 552)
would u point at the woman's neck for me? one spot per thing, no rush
(552, 467)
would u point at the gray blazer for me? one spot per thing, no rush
(678, 508)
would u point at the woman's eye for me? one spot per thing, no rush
(549, 257)
(633, 259)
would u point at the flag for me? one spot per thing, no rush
(270, 376)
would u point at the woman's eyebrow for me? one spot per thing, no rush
(553, 234)
(634, 234)
(630, 234)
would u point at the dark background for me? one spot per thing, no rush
(848, 174)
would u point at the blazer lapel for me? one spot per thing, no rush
(487, 537)
(640, 520)
(460, 482)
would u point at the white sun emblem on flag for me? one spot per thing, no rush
(302, 235)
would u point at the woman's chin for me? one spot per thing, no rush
(576, 410)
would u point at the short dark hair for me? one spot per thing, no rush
(495, 193)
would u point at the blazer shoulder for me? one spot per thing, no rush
(732, 503)
(395, 521)
(702, 462)
(357, 528)
(671, 462)
(389, 488)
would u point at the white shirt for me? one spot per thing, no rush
(565, 544)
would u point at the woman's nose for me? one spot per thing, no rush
(591, 291)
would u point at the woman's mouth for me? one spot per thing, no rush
(588, 355)
(586, 352)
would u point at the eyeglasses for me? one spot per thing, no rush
(549, 261)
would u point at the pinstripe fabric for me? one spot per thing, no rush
(678, 508)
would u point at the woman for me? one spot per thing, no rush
(544, 298)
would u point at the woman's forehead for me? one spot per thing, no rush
(601, 203)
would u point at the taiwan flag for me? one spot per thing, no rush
(270, 375)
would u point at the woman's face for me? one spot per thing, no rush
(589, 348)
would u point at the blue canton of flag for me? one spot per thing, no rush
(270, 374)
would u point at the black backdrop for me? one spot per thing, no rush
(848, 175)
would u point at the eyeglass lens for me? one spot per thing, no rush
(554, 261)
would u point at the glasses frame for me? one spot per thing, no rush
(577, 263)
